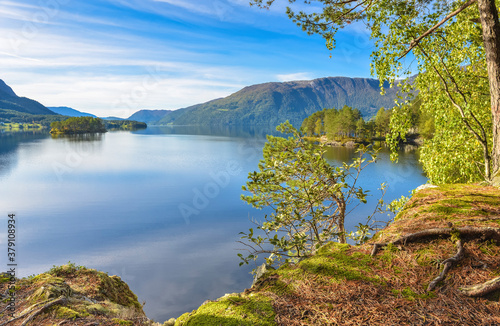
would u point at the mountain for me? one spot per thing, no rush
(112, 118)
(273, 103)
(10, 101)
(6, 90)
(149, 115)
(64, 110)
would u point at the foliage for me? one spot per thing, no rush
(11, 116)
(453, 92)
(308, 196)
(124, 125)
(78, 125)
(447, 40)
(346, 123)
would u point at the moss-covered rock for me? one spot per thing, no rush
(77, 294)
(232, 310)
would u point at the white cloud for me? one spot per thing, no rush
(294, 76)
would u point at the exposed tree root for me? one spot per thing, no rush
(448, 263)
(483, 233)
(486, 233)
(479, 290)
(33, 313)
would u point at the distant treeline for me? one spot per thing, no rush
(78, 125)
(22, 117)
(124, 124)
(348, 123)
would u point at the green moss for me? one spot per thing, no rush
(425, 256)
(333, 261)
(49, 287)
(69, 268)
(232, 311)
(98, 309)
(410, 295)
(122, 322)
(117, 291)
(66, 313)
(281, 288)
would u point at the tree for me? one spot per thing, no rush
(308, 196)
(400, 27)
(360, 128)
(382, 121)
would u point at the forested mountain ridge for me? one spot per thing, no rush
(70, 112)
(10, 101)
(149, 115)
(273, 103)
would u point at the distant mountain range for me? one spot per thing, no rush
(64, 110)
(266, 104)
(149, 115)
(9, 101)
(273, 103)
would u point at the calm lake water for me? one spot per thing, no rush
(159, 207)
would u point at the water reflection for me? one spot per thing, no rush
(80, 137)
(9, 145)
(111, 202)
(225, 131)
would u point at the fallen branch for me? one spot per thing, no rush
(36, 313)
(448, 263)
(479, 290)
(486, 233)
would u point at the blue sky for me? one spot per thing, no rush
(114, 57)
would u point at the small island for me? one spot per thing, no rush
(78, 125)
(84, 125)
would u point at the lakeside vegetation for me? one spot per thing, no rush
(78, 125)
(11, 116)
(124, 125)
(347, 124)
(82, 125)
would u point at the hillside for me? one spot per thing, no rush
(273, 103)
(9, 101)
(69, 112)
(347, 285)
(149, 115)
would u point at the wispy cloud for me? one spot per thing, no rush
(98, 55)
(294, 76)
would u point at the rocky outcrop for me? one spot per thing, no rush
(72, 295)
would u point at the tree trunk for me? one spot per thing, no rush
(488, 15)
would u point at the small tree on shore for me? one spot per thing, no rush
(309, 197)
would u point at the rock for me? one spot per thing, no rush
(261, 270)
(425, 186)
(170, 322)
(350, 143)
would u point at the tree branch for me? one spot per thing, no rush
(431, 30)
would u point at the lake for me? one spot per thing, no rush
(159, 207)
